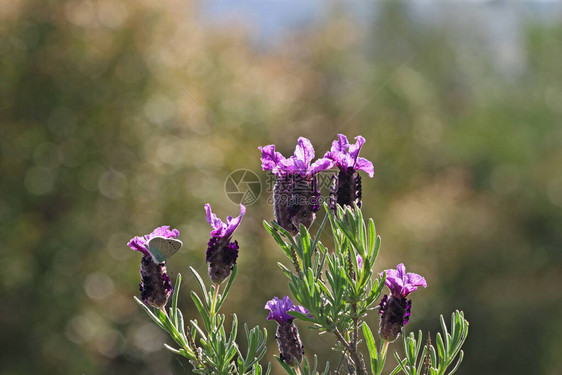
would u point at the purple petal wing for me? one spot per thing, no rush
(401, 270)
(320, 165)
(139, 244)
(216, 223)
(355, 148)
(304, 151)
(270, 159)
(278, 309)
(341, 144)
(394, 280)
(164, 231)
(232, 224)
(365, 165)
(413, 281)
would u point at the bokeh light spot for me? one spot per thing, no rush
(113, 184)
(98, 286)
(39, 181)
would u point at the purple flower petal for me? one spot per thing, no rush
(304, 152)
(401, 283)
(362, 164)
(341, 145)
(354, 149)
(220, 229)
(346, 155)
(270, 159)
(320, 165)
(299, 163)
(278, 309)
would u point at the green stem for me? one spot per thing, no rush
(214, 302)
(382, 360)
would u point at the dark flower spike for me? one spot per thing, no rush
(288, 339)
(221, 252)
(346, 188)
(395, 309)
(156, 286)
(295, 195)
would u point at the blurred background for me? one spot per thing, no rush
(120, 116)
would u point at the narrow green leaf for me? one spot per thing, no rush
(441, 351)
(287, 368)
(150, 313)
(461, 356)
(202, 310)
(173, 315)
(202, 286)
(301, 316)
(371, 346)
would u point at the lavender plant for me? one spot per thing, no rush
(210, 347)
(336, 289)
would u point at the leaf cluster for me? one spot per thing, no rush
(333, 286)
(209, 348)
(432, 361)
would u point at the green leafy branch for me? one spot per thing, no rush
(338, 288)
(209, 348)
(440, 359)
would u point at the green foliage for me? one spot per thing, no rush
(339, 304)
(304, 368)
(440, 359)
(210, 349)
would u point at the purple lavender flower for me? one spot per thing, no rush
(288, 339)
(221, 252)
(346, 187)
(295, 195)
(156, 286)
(395, 309)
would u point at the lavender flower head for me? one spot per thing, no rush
(279, 307)
(295, 195)
(156, 286)
(395, 309)
(346, 188)
(288, 339)
(221, 252)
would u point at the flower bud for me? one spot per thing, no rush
(155, 286)
(289, 342)
(295, 194)
(221, 252)
(394, 312)
(395, 309)
(288, 339)
(346, 186)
